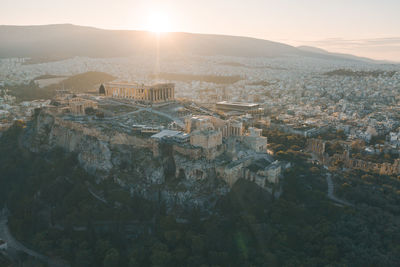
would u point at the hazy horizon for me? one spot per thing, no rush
(362, 28)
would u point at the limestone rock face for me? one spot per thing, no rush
(193, 170)
(177, 180)
(48, 132)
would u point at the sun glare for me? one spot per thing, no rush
(158, 22)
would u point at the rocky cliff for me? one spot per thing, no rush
(128, 160)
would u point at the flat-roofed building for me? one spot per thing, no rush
(237, 106)
(156, 93)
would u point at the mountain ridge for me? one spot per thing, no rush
(68, 40)
(318, 50)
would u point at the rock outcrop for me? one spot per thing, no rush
(127, 159)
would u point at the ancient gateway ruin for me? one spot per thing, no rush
(157, 93)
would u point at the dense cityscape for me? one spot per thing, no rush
(162, 147)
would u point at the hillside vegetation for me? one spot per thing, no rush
(80, 83)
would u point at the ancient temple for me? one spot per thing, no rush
(157, 93)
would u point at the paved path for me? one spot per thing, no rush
(96, 196)
(177, 120)
(6, 235)
(330, 193)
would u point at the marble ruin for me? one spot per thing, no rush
(157, 93)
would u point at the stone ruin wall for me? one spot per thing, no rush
(317, 147)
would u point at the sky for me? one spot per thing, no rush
(369, 28)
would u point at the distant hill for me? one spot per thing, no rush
(375, 73)
(65, 40)
(337, 55)
(84, 82)
(80, 83)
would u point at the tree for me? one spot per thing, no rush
(314, 170)
(112, 258)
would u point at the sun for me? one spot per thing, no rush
(158, 22)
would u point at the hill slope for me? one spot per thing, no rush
(65, 40)
(80, 83)
(317, 50)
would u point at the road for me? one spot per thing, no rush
(331, 189)
(12, 243)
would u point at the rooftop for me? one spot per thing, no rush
(242, 104)
(168, 133)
